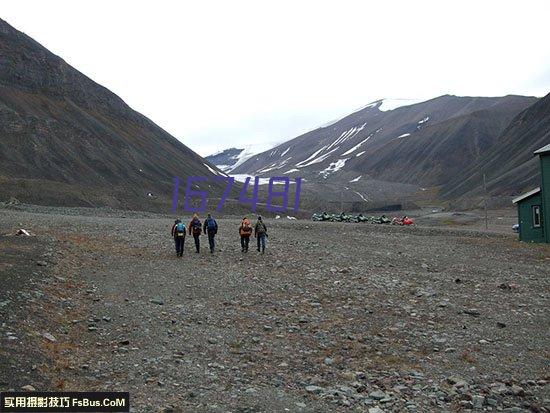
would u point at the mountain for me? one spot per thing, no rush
(230, 159)
(66, 140)
(427, 144)
(509, 165)
(226, 159)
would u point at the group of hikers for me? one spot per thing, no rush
(210, 228)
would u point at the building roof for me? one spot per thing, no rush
(544, 149)
(526, 195)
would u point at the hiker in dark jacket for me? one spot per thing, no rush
(178, 233)
(210, 228)
(195, 229)
(245, 231)
(260, 232)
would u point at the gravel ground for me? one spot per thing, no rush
(334, 317)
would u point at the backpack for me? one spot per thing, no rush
(180, 230)
(261, 229)
(196, 225)
(211, 225)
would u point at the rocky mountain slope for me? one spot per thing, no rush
(65, 140)
(509, 165)
(428, 144)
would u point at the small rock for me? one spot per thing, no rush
(378, 395)
(472, 311)
(328, 361)
(41, 263)
(314, 389)
(478, 401)
(158, 301)
(457, 381)
(28, 387)
(49, 337)
(517, 390)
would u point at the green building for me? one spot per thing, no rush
(534, 206)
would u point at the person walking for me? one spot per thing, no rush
(211, 229)
(260, 232)
(178, 233)
(245, 231)
(195, 229)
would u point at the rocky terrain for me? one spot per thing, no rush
(334, 317)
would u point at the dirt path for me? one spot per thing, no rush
(335, 317)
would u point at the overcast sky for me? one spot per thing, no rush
(217, 74)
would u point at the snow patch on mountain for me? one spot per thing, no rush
(350, 133)
(261, 181)
(333, 167)
(356, 179)
(357, 146)
(299, 164)
(319, 159)
(214, 171)
(362, 196)
(269, 168)
(248, 152)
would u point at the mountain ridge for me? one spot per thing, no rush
(66, 140)
(425, 144)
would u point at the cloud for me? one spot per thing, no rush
(215, 74)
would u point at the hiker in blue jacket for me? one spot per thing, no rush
(210, 228)
(178, 233)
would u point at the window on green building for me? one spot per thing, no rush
(536, 216)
